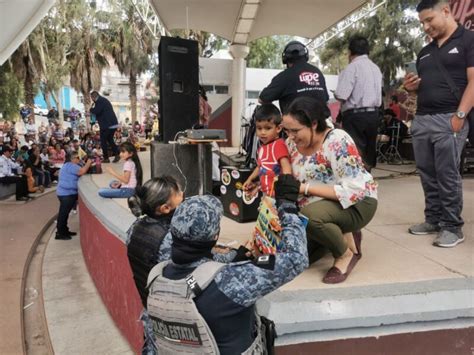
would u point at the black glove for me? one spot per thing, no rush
(286, 194)
(243, 254)
(287, 188)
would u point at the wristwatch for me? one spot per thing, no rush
(461, 114)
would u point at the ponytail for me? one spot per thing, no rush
(151, 195)
(130, 148)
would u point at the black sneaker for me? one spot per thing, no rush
(116, 159)
(63, 236)
(72, 234)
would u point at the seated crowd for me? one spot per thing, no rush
(32, 159)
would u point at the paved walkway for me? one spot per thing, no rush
(20, 225)
(72, 305)
(74, 309)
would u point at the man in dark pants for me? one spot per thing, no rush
(440, 127)
(299, 79)
(67, 193)
(359, 88)
(7, 165)
(105, 115)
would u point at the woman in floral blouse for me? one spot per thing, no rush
(337, 194)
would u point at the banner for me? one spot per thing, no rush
(463, 11)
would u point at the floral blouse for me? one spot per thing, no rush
(57, 157)
(337, 163)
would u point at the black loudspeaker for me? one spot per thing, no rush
(179, 85)
(237, 204)
(194, 160)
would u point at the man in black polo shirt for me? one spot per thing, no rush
(440, 127)
(298, 79)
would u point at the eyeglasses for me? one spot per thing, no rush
(293, 131)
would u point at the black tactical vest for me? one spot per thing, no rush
(142, 251)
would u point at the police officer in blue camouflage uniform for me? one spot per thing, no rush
(148, 240)
(227, 304)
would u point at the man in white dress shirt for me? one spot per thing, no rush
(359, 89)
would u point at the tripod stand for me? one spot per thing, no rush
(392, 154)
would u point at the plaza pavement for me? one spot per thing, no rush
(391, 257)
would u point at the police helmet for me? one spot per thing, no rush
(293, 51)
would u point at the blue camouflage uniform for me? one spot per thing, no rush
(164, 254)
(228, 303)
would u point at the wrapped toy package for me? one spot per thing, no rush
(267, 232)
(266, 235)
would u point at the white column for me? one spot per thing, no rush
(239, 52)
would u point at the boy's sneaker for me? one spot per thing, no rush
(447, 239)
(424, 228)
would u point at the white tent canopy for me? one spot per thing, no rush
(18, 18)
(241, 21)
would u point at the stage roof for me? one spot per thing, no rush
(18, 18)
(241, 21)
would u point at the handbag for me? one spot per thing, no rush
(456, 92)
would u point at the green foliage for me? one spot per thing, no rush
(334, 55)
(26, 67)
(266, 52)
(208, 42)
(130, 44)
(87, 56)
(391, 31)
(10, 93)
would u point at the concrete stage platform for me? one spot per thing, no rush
(402, 285)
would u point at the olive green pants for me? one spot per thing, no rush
(328, 222)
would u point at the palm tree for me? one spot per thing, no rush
(10, 92)
(54, 44)
(86, 57)
(25, 65)
(130, 44)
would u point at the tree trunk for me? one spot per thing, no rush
(29, 89)
(58, 97)
(87, 106)
(133, 94)
(30, 77)
(47, 98)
